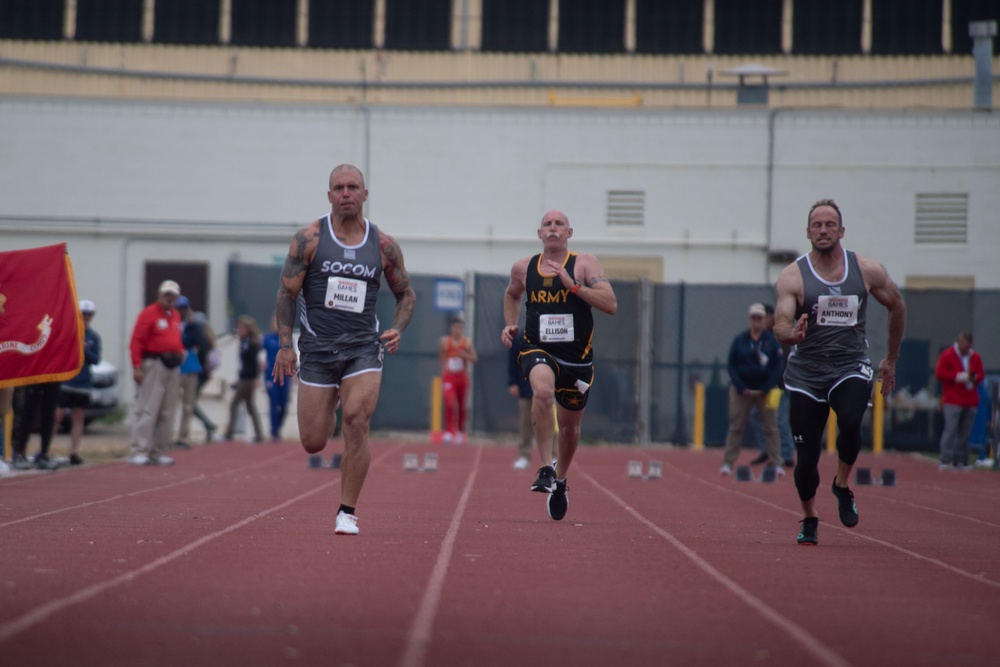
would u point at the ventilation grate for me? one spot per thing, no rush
(627, 207)
(942, 218)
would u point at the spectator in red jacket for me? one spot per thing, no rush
(960, 370)
(157, 351)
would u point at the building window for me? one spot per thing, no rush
(342, 24)
(186, 22)
(31, 19)
(748, 26)
(668, 26)
(942, 218)
(627, 208)
(821, 27)
(264, 22)
(964, 12)
(592, 26)
(906, 28)
(109, 20)
(418, 25)
(516, 26)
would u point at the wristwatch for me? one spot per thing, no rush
(576, 287)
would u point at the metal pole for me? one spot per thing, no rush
(680, 433)
(982, 34)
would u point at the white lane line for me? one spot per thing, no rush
(978, 578)
(419, 637)
(91, 503)
(809, 642)
(43, 611)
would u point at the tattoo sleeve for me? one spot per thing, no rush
(292, 275)
(398, 281)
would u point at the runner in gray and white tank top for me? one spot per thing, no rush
(821, 308)
(333, 270)
(337, 301)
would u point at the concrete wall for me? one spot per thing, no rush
(463, 189)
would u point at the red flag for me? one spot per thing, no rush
(41, 329)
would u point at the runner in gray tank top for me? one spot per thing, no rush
(333, 269)
(821, 308)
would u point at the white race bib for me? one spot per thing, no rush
(455, 364)
(346, 294)
(837, 311)
(556, 328)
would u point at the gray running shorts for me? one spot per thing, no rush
(328, 368)
(816, 378)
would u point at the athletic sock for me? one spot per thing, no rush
(345, 509)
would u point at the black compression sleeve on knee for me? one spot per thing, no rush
(849, 400)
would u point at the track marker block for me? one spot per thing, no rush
(744, 474)
(335, 461)
(768, 474)
(315, 461)
(655, 470)
(863, 476)
(410, 463)
(888, 477)
(635, 469)
(430, 462)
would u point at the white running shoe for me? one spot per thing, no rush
(347, 524)
(521, 463)
(726, 469)
(138, 459)
(447, 437)
(459, 438)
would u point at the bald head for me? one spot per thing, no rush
(348, 168)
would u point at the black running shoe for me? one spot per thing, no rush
(75, 460)
(762, 458)
(558, 501)
(845, 503)
(43, 462)
(546, 482)
(809, 535)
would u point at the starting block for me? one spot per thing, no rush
(335, 461)
(769, 474)
(315, 461)
(863, 476)
(411, 462)
(654, 470)
(744, 474)
(888, 477)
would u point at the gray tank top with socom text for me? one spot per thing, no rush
(337, 301)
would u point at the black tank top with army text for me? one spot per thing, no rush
(837, 313)
(337, 301)
(556, 321)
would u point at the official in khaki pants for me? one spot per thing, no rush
(157, 352)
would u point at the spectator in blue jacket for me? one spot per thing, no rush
(754, 370)
(75, 392)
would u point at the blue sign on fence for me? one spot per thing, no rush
(449, 294)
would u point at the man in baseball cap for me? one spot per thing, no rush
(169, 287)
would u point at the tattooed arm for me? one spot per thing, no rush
(293, 274)
(398, 281)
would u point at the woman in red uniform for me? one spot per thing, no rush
(456, 354)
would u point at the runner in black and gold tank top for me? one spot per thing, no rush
(559, 289)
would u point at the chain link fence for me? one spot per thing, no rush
(664, 340)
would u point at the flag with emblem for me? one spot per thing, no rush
(41, 329)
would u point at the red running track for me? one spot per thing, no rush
(229, 558)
